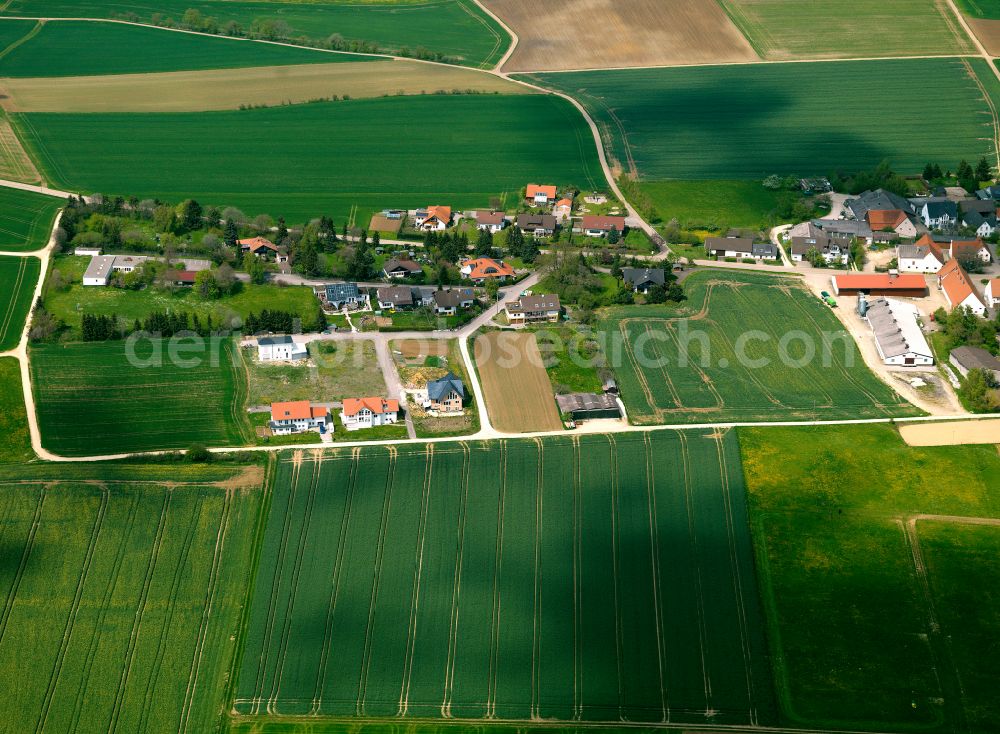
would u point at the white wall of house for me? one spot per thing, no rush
(993, 293)
(279, 352)
(365, 418)
(927, 264)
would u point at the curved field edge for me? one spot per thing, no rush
(26, 219)
(389, 153)
(743, 347)
(452, 31)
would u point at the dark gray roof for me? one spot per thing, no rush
(642, 276)
(342, 291)
(453, 298)
(407, 265)
(270, 341)
(980, 206)
(732, 244)
(437, 390)
(937, 209)
(534, 221)
(580, 402)
(765, 250)
(990, 192)
(853, 228)
(878, 199)
(398, 295)
(975, 358)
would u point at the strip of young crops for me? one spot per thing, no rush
(114, 400)
(127, 597)
(566, 579)
(25, 219)
(18, 277)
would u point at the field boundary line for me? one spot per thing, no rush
(456, 589)
(536, 640)
(140, 611)
(315, 461)
(700, 598)
(366, 659)
(213, 584)
(179, 570)
(269, 620)
(577, 586)
(491, 684)
(514, 39)
(335, 579)
(97, 633)
(19, 574)
(615, 527)
(654, 548)
(95, 535)
(411, 642)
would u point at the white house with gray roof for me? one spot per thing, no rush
(280, 349)
(898, 337)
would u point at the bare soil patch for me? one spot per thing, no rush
(988, 33)
(593, 34)
(413, 348)
(227, 89)
(517, 388)
(949, 433)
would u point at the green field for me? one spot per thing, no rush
(121, 600)
(25, 219)
(712, 203)
(507, 581)
(15, 444)
(719, 356)
(18, 277)
(861, 636)
(74, 299)
(324, 158)
(987, 9)
(84, 48)
(792, 29)
(750, 121)
(455, 28)
(92, 400)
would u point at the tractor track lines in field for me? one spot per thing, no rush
(991, 107)
(456, 588)
(22, 268)
(699, 584)
(96, 634)
(315, 463)
(737, 579)
(95, 534)
(491, 686)
(22, 564)
(335, 580)
(366, 659)
(179, 571)
(536, 617)
(654, 547)
(206, 616)
(140, 612)
(577, 587)
(258, 696)
(411, 641)
(616, 581)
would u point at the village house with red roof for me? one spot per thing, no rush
(359, 413)
(297, 417)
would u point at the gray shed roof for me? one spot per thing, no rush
(439, 389)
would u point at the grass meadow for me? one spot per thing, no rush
(986, 9)
(92, 400)
(126, 594)
(82, 48)
(71, 301)
(324, 158)
(18, 276)
(455, 28)
(735, 203)
(15, 443)
(26, 219)
(509, 580)
(747, 122)
(862, 636)
(678, 364)
(803, 29)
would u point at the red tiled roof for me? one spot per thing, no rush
(968, 248)
(564, 202)
(533, 189)
(881, 281)
(353, 406)
(956, 283)
(484, 216)
(485, 267)
(182, 276)
(934, 247)
(442, 213)
(257, 243)
(298, 410)
(879, 219)
(604, 223)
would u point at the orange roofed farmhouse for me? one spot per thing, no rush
(361, 413)
(486, 268)
(296, 417)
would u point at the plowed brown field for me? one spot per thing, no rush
(590, 34)
(517, 389)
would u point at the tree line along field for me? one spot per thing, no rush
(324, 158)
(787, 29)
(749, 121)
(120, 598)
(93, 399)
(18, 276)
(25, 219)
(877, 565)
(458, 29)
(83, 48)
(683, 364)
(593, 578)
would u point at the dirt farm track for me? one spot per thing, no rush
(951, 434)
(562, 34)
